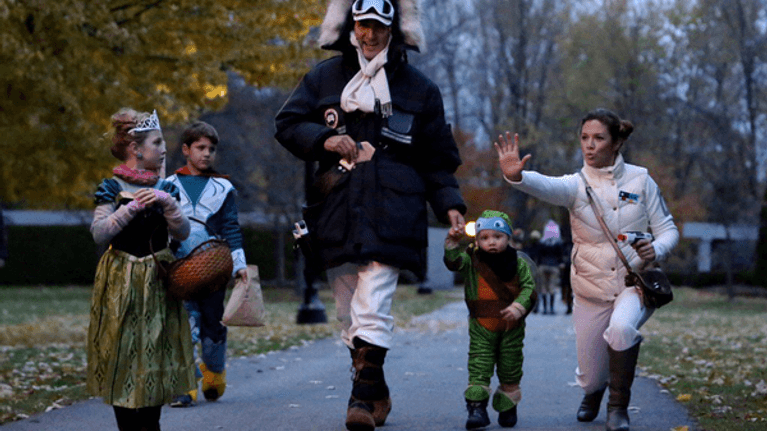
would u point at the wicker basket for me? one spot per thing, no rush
(206, 269)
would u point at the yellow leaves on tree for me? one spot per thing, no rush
(68, 65)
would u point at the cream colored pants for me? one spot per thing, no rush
(615, 324)
(363, 295)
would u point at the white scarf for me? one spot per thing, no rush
(368, 84)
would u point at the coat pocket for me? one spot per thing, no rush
(399, 127)
(401, 206)
(326, 215)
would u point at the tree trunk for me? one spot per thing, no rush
(728, 265)
(760, 270)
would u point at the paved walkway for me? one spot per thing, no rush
(306, 388)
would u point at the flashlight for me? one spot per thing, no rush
(471, 228)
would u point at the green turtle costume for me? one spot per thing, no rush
(493, 281)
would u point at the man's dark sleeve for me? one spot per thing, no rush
(441, 159)
(296, 131)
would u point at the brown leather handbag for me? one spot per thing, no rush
(206, 269)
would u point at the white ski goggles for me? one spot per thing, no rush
(379, 10)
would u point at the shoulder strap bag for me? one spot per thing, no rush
(652, 281)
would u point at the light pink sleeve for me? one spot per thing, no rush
(107, 222)
(178, 224)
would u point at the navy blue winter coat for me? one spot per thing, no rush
(377, 211)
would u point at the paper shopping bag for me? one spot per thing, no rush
(246, 305)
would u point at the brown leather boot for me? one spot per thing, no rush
(359, 416)
(370, 403)
(622, 369)
(589, 409)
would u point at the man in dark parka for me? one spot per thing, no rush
(376, 127)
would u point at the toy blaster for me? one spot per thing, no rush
(632, 237)
(304, 244)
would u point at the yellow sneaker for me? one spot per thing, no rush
(213, 384)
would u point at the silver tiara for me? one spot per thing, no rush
(150, 123)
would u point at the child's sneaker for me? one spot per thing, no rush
(189, 399)
(213, 384)
(477, 414)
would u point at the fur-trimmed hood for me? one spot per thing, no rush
(338, 22)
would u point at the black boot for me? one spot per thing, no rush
(622, 369)
(370, 403)
(508, 418)
(477, 414)
(589, 409)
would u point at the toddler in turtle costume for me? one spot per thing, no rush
(500, 292)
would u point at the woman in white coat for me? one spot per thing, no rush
(607, 315)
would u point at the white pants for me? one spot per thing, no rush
(599, 325)
(363, 296)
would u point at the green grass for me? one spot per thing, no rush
(43, 337)
(711, 354)
(26, 304)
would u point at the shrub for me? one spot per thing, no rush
(66, 255)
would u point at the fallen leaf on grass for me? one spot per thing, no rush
(53, 406)
(681, 428)
(684, 397)
(761, 389)
(6, 391)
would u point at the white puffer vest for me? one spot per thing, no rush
(630, 201)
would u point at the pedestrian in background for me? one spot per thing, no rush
(500, 293)
(376, 127)
(139, 352)
(551, 256)
(606, 313)
(208, 196)
(531, 250)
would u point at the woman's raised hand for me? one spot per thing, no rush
(508, 157)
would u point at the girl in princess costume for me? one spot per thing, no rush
(139, 351)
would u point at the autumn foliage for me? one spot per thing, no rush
(479, 176)
(68, 65)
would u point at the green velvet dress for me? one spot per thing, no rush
(139, 350)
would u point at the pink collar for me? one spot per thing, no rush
(139, 177)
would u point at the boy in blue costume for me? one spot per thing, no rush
(500, 292)
(210, 197)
